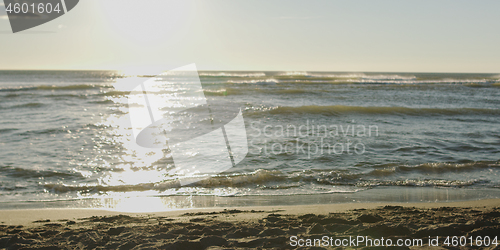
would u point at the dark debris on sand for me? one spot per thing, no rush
(271, 231)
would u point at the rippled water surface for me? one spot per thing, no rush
(62, 135)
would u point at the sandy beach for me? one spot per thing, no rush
(209, 125)
(276, 227)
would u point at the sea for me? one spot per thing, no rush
(312, 138)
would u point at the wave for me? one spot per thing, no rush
(288, 91)
(224, 74)
(76, 128)
(50, 131)
(388, 77)
(27, 105)
(361, 81)
(398, 81)
(218, 92)
(263, 81)
(114, 93)
(5, 130)
(441, 167)
(55, 87)
(433, 168)
(295, 73)
(416, 82)
(263, 179)
(282, 180)
(341, 109)
(240, 91)
(21, 88)
(357, 78)
(423, 183)
(63, 188)
(17, 172)
(361, 76)
(69, 87)
(11, 95)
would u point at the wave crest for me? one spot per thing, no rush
(341, 109)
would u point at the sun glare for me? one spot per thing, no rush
(146, 25)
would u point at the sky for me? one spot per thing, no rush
(313, 35)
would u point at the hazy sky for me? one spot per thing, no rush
(314, 35)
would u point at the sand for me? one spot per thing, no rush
(275, 227)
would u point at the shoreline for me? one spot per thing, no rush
(25, 217)
(247, 227)
(130, 203)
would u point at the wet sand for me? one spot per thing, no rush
(253, 227)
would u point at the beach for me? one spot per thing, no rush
(249, 125)
(333, 158)
(266, 227)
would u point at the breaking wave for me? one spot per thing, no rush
(341, 109)
(225, 74)
(263, 179)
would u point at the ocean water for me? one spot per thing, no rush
(336, 136)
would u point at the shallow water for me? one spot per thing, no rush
(63, 137)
